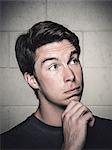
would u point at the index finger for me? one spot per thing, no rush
(69, 106)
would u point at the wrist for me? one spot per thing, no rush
(65, 147)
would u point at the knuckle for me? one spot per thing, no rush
(67, 116)
(73, 102)
(72, 119)
(85, 108)
(79, 105)
(90, 114)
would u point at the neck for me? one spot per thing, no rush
(50, 113)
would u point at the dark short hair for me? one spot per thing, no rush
(39, 35)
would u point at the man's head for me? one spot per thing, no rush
(39, 35)
(47, 54)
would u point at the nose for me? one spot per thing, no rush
(68, 74)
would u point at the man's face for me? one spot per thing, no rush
(59, 73)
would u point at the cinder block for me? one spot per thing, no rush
(21, 15)
(4, 49)
(0, 15)
(20, 113)
(98, 49)
(13, 37)
(97, 86)
(81, 15)
(14, 90)
(102, 111)
(4, 119)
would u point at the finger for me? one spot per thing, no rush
(80, 111)
(70, 105)
(88, 118)
(72, 108)
(92, 121)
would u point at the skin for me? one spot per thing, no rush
(59, 81)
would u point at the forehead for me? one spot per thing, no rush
(55, 49)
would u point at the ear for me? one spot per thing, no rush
(30, 79)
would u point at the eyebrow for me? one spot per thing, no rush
(73, 52)
(53, 58)
(50, 58)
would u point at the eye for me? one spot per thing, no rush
(53, 67)
(74, 61)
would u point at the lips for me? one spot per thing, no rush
(75, 90)
(73, 93)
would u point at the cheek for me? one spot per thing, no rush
(49, 81)
(51, 87)
(79, 74)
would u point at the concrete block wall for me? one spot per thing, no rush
(90, 20)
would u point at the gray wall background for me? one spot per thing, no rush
(90, 20)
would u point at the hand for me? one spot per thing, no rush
(75, 119)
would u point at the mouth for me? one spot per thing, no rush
(75, 92)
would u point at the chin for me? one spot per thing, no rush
(74, 98)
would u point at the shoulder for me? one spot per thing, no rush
(102, 123)
(17, 128)
(103, 127)
(100, 135)
(15, 134)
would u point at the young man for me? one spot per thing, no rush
(48, 57)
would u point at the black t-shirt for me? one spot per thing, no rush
(34, 134)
